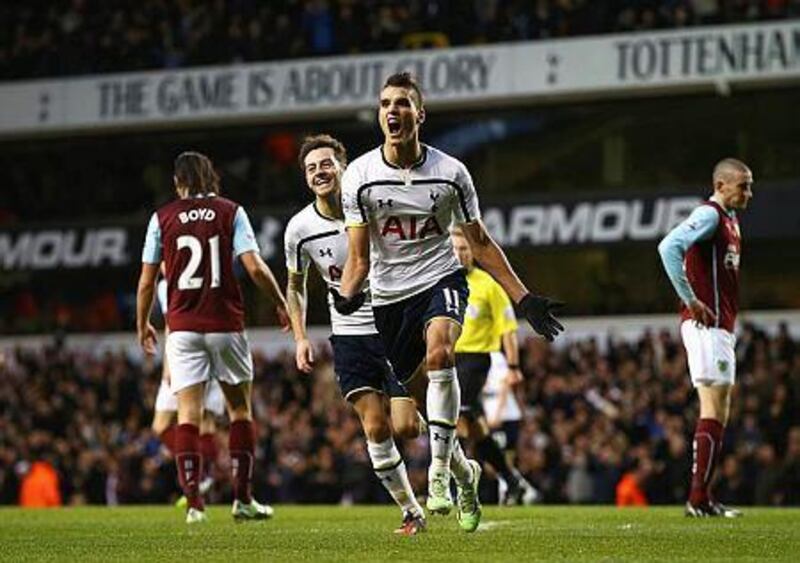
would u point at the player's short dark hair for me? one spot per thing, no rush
(724, 167)
(404, 80)
(313, 142)
(195, 172)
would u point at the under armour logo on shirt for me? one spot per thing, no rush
(439, 438)
(326, 252)
(387, 203)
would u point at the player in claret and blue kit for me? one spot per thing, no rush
(400, 201)
(166, 411)
(701, 257)
(198, 236)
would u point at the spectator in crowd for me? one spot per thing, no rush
(39, 487)
(74, 37)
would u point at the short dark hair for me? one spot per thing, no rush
(195, 171)
(404, 80)
(726, 166)
(313, 142)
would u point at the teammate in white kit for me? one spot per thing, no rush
(316, 234)
(165, 415)
(399, 201)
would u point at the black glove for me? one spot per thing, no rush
(539, 312)
(347, 305)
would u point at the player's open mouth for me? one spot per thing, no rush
(393, 124)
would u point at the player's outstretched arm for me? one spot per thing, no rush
(144, 304)
(538, 310)
(296, 301)
(350, 296)
(262, 276)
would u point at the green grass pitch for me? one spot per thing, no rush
(364, 534)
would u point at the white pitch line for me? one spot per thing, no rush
(492, 524)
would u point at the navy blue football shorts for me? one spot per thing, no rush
(402, 324)
(361, 365)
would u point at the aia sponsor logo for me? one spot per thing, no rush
(411, 228)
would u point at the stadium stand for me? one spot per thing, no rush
(74, 37)
(594, 411)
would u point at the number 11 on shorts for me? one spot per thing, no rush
(450, 300)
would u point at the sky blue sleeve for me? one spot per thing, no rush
(700, 225)
(151, 254)
(244, 239)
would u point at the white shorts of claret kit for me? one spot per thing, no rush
(196, 357)
(710, 352)
(214, 401)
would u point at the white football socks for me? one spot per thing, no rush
(442, 401)
(462, 472)
(391, 470)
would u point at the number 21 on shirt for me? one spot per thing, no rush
(188, 280)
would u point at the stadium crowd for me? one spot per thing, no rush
(603, 421)
(73, 37)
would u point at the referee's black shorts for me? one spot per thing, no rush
(472, 369)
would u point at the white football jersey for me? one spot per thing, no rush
(312, 237)
(408, 213)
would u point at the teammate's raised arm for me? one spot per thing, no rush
(538, 310)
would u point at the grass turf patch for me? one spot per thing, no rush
(365, 534)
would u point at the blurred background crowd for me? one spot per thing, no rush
(72, 37)
(596, 414)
